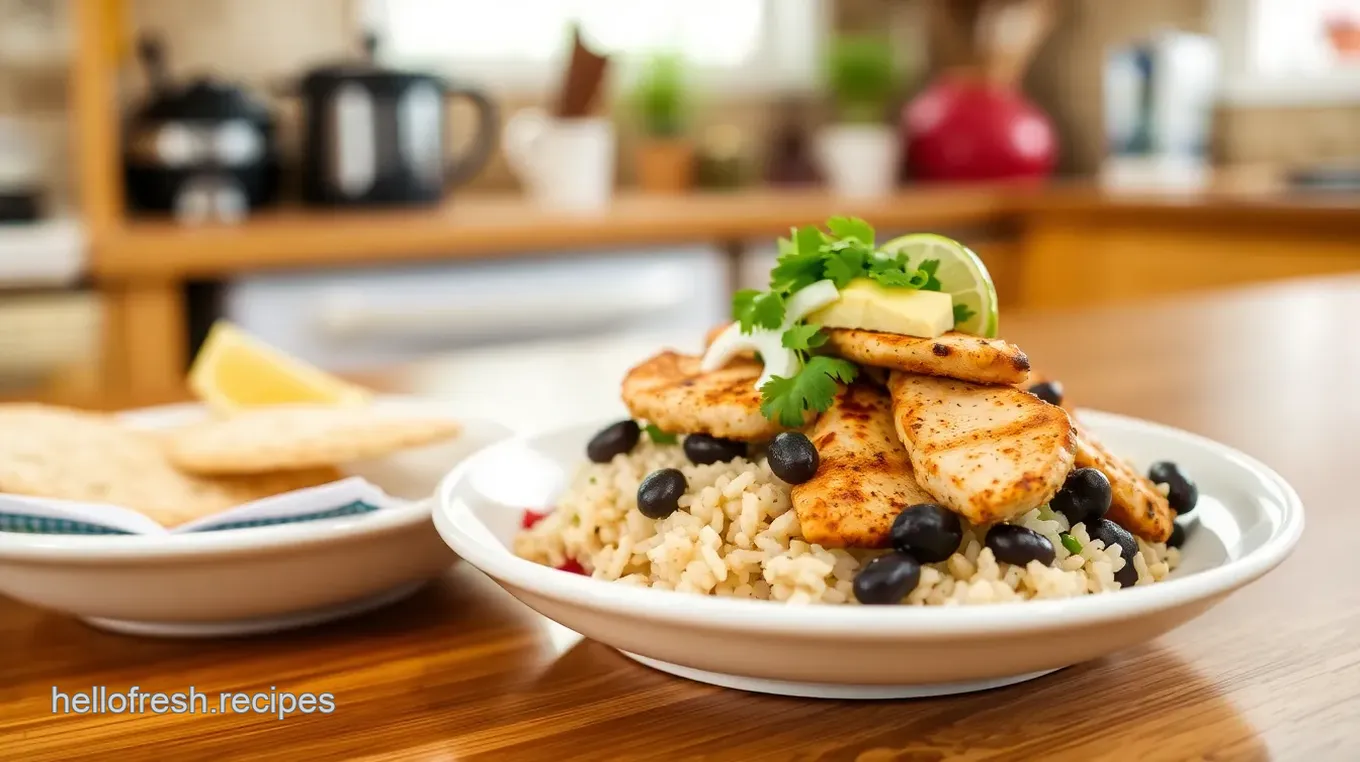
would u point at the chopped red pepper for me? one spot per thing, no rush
(532, 517)
(572, 566)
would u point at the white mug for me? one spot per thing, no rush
(565, 164)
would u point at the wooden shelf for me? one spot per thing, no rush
(482, 227)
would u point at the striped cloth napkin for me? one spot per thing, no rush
(348, 497)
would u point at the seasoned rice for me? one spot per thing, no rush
(737, 535)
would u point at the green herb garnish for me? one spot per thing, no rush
(962, 314)
(785, 400)
(803, 337)
(845, 264)
(800, 261)
(844, 253)
(1071, 543)
(852, 228)
(758, 309)
(658, 436)
(896, 279)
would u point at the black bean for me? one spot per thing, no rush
(1182, 492)
(659, 494)
(887, 579)
(1048, 391)
(1177, 537)
(928, 531)
(703, 449)
(1114, 535)
(1019, 545)
(614, 439)
(793, 458)
(1085, 496)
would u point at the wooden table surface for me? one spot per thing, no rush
(461, 671)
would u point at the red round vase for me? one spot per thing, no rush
(965, 129)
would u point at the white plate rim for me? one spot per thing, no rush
(877, 622)
(96, 549)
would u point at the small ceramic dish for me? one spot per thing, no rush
(252, 580)
(1248, 521)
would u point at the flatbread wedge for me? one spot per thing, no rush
(952, 355)
(865, 477)
(273, 437)
(989, 453)
(671, 392)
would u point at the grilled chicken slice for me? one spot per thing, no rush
(1135, 504)
(952, 355)
(989, 453)
(865, 477)
(670, 391)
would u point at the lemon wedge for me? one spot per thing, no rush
(234, 370)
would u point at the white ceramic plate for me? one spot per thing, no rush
(1248, 521)
(246, 581)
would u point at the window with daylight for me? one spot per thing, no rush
(769, 44)
(1279, 52)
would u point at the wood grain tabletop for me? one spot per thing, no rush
(461, 671)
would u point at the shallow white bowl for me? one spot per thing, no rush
(245, 581)
(1248, 521)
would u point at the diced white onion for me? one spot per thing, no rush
(778, 359)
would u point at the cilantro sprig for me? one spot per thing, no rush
(758, 309)
(842, 253)
(786, 400)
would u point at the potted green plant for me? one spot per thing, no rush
(859, 150)
(665, 154)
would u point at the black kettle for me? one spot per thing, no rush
(376, 137)
(203, 149)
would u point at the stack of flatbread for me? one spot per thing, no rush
(177, 475)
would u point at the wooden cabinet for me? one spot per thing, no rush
(1082, 257)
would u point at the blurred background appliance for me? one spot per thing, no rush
(204, 150)
(376, 136)
(1159, 101)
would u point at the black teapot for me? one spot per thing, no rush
(203, 150)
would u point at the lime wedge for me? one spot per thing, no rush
(961, 274)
